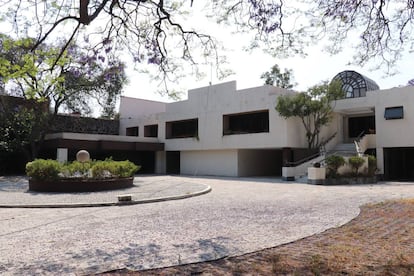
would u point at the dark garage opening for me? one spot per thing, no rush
(399, 164)
(173, 162)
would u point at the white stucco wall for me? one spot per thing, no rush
(208, 105)
(138, 112)
(393, 133)
(212, 162)
(398, 132)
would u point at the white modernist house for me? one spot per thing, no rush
(220, 130)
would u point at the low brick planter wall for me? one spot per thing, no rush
(72, 185)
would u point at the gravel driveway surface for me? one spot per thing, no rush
(238, 216)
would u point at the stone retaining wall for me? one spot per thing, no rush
(67, 123)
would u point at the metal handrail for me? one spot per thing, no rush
(303, 160)
(310, 157)
(358, 138)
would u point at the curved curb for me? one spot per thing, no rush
(106, 204)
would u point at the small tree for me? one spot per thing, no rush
(277, 78)
(313, 108)
(334, 162)
(356, 162)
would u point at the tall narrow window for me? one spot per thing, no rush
(392, 113)
(132, 131)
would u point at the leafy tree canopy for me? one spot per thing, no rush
(277, 78)
(312, 107)
(159, 32)
(21, 125)
(76, 78)
(50, 80)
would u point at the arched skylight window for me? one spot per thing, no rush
(354, 84)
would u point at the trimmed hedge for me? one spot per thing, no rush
(41, 169)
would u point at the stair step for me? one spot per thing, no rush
(345, 149)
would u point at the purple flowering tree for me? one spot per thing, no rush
(78, 79)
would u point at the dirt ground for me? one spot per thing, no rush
(380, 241)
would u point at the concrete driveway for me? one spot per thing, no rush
(238, 216)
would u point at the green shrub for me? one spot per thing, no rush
(356, 162)
(372, 165)
(41, 169)
(109, 168)
(77, 168)
(333, 163)
(125, 168)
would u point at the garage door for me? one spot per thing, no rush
(399, 164)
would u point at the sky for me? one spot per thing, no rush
(318, 66)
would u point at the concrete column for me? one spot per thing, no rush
(380, 160)
(62, 155)
(160, 162)
(346, 130)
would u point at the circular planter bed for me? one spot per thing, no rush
(77, 185)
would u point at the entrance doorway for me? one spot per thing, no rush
(173, 162)
(357, 125)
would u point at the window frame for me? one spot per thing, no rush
(135, 132)
(172, 126)
(394, 113)
(233, 124)
(151, 130)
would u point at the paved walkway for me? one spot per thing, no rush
(14, 193)
(236, 217)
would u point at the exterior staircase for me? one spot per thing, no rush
(301, 169)
(345, 149)
(358, 147)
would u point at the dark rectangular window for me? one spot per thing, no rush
(392, 113)
(243, 123)
(151, 131)
(181, 129)
(132, 131)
